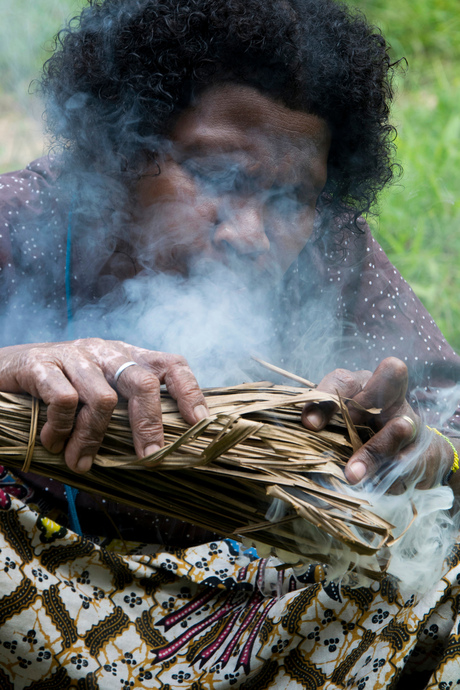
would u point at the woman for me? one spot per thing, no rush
(240, 141)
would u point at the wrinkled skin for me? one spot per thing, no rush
(66, 374)
(264, 216)
(384, 389)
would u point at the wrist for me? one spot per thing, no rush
(450, 476)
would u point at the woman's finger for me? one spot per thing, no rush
(83, 371)
(99, 401)
(47, 382)
(184, 388)
(34, 370)
(386, 390)
(340, 382)
(60, 417)
(384, 446)
(141, 388)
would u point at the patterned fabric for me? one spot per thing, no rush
(74, 614)
(97, 613)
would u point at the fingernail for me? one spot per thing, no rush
(315, 418)
(356, 472)
(84, 464)
(57, 447)
(151, 449)
(200, 412)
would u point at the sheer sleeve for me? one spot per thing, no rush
(383, 317)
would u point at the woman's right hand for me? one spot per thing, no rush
(67, 374)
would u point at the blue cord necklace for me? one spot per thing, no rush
(70, 491)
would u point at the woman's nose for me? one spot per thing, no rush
(243, 229)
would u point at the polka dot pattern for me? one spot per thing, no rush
(374, 308)
(380, 316)
(32, 252)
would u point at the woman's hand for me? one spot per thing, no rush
(396, 436)
(67, 374)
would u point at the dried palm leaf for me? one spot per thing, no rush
(223, 473)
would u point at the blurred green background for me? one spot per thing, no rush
(419, 221)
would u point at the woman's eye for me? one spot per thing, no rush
(218, 177)
(285, 200)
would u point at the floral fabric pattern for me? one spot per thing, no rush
(74, 614)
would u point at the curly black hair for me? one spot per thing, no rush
(123, 69)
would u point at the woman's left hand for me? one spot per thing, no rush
(398, 429)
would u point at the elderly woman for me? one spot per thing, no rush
(241, 141)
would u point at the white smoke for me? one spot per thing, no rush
(210, 318)
(217, 317)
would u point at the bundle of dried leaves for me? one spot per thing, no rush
(223, 473)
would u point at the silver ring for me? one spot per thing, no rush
(121, 369)
(413, 426)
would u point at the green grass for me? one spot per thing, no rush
(419, 223)
(416, 27)
(26, 33)
(27, 28)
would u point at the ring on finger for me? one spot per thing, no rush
(412, 424)
(121, 369)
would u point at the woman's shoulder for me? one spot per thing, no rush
(30, 213)
(22, 186)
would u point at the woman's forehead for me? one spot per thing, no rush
(231, 118)
(235, 116)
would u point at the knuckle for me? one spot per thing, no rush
(36, 362)
(147, 384)
(93, 342)
(186, 385)
(89, 439)
(122, 346)
(88, 347)
(344, 377)
(32, 356)
(179, 378)
(106, 401)
(60, 428)
(400, 427)
(177, 361)
(66, 401)
(149, 429)
(395, 367)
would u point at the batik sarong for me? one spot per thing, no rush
(78, 614)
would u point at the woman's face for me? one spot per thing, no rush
(238, 186)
